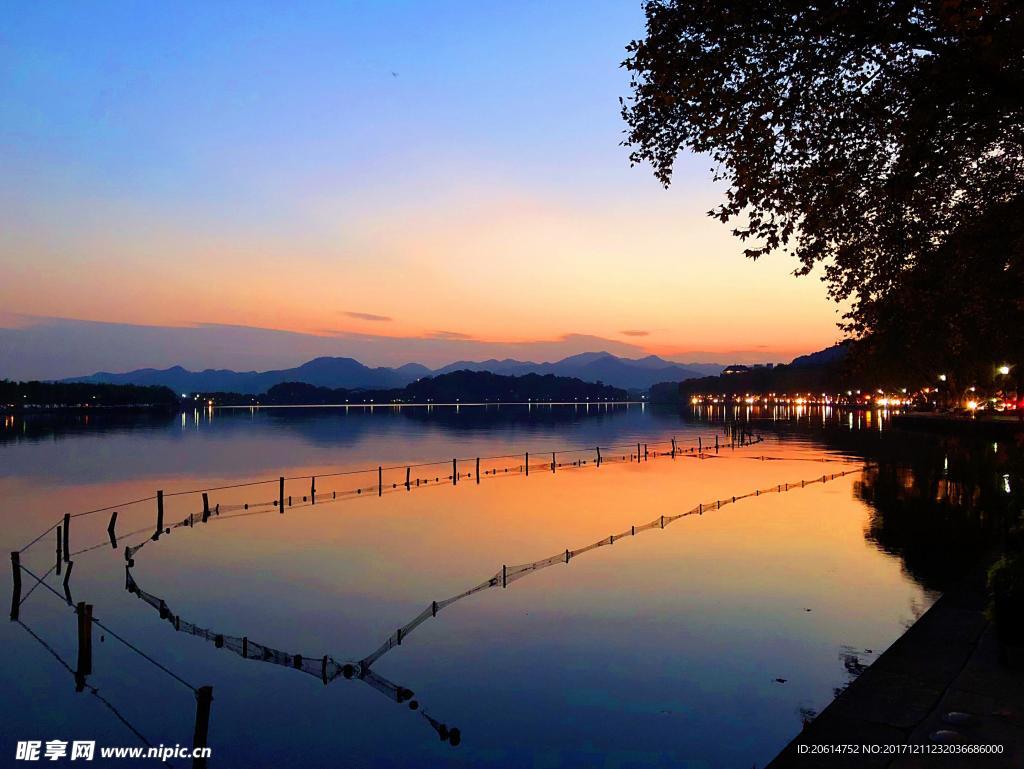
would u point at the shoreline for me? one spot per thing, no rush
(947, 661)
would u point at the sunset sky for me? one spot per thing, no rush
(445, 175)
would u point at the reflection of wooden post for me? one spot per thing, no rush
(700, 446)
(673, 448)
(312, 490)
(206, 507)
(407, 473)
(527, 463)
(67, 574)
(16, 593)
(478, 469)
(280, 494)
(204, 697)
(455, 472)
(159, 515)
(504, 575)
(638, 453)
(84, 611)
(60, 548)
(553, 461)
(645, 452)
(110, 530)
(380, 480)
(67, 536)
(716, 443)
(598, 450)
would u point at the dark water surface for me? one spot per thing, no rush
(705, 643)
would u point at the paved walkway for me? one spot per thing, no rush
(946, 663)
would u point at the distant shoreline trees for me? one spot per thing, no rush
(71, 395)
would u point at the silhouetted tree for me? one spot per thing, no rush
(883, 140)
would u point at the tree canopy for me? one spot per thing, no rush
(882, 140)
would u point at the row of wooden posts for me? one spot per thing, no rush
(63, 530)
(455, 476)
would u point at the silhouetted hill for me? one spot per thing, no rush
(835, 354)
(323, 372)
(822, 371)
(350, 374)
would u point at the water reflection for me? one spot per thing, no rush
(668, 644)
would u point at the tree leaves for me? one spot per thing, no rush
(866, 137)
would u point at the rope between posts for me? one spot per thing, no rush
(120, 638)
(329, 669)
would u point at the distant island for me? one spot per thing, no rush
(458, 386)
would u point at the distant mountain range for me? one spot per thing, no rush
(350, 374)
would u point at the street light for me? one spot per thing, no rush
(1004, 369)
(942, 377)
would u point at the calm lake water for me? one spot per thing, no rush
(705, 643)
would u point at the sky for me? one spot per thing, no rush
(393, 181)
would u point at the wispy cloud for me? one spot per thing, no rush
(369, 316)
(451, 335)
(634, 332)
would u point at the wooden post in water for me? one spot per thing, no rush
(478, 469)
(527, 466)
(206, 507)
(673, 447)
(716, 443)
(380, 481)
(312, 490)
(598, 450)
(110, 530)
(280, 494)
(504, 575)
(60, 548)
(159, 517)
(67, 536)
(700, 447)
(645, 452)
(200, 737)
(553, 461)
(407, 473)
(16, 579)
(638, 453)
(455, 471)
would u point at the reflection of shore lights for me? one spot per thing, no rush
(972, 405)
(942, 377)
(1004, 369)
